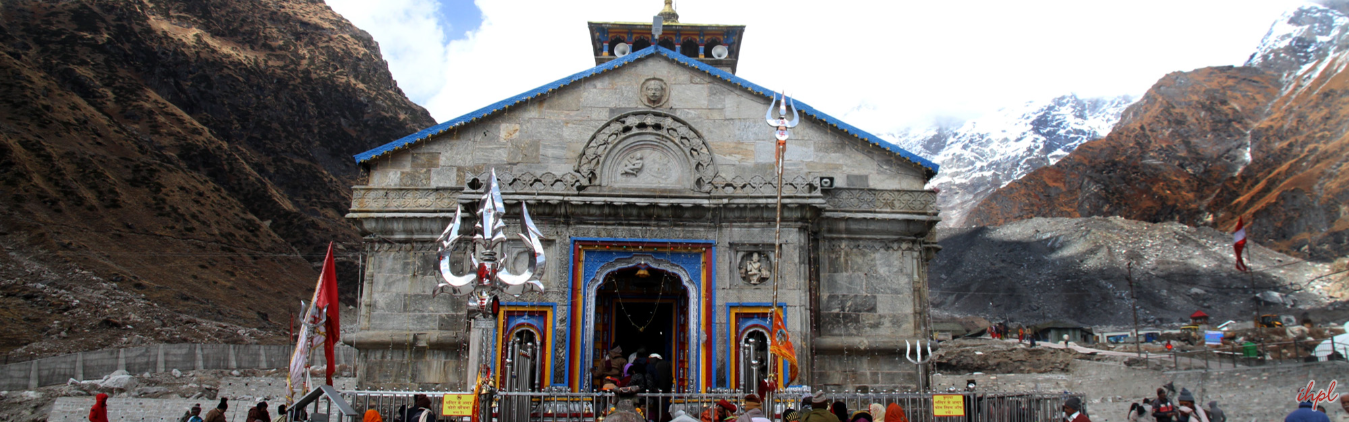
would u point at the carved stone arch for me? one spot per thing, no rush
(615, 147)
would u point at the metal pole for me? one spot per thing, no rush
(1130, 276)
(1259, 328)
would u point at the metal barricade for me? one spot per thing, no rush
(558, 406)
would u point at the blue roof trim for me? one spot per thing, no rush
(407, 141)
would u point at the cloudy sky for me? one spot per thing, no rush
(880, 65)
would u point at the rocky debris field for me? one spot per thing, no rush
(242, 387)
(1074, 270)
(72, 310)
(968, 356)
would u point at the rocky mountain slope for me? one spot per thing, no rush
(987, 153)
(1075, 269)
(193, 154)
(1266, 141)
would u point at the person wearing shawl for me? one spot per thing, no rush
(218, 414)
(895, 413)
(877, 411)
(753, 410)
(680, 416)
(1188, 411)
(840, 410)
(372, 415)
(99, 413)
(258, 414)
(861, 416)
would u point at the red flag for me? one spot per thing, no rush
(325, 298)
(1239, 243)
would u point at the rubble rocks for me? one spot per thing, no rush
(968, 356)
(1075, 269)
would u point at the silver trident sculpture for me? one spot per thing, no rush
(490, 274)
(781, 121)
(919, 362)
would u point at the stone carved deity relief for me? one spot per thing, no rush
(647, 149)
(654, 92)
(632, 166)
(755, 268)
(647, 164)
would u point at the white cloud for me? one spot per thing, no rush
(879, 65)
(410, 38)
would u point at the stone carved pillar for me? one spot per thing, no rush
(480, 346)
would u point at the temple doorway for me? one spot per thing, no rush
(643, 310)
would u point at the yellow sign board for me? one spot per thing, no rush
(948, 405)
(457, 405)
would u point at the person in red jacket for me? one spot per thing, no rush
(1072, 411)
(99, 413)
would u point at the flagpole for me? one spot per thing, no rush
(1259, 331)
(777, 262)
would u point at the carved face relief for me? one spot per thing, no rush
(654, 92)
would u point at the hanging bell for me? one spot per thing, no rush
(642, 270)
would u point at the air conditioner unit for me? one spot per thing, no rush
(622, 49)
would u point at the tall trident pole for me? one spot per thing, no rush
(782, 133)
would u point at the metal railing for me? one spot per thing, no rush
(552, 406)
(1236, 356)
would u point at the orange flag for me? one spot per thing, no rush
(782, 345)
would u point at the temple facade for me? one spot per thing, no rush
(652, 180)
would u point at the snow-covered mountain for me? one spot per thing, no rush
(1298, 42)
(991, 151)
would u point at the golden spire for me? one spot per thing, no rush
(668, 14)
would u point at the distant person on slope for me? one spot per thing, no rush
(1188, 411)
(99, 413)
(1214, 413)
(193, 414)
(1305, 413)
(1072, 411)
(258, 414)
(1139, 411)
(1162, 408)
(218, 414)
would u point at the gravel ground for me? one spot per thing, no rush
(1074, 269)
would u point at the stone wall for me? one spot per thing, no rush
(243, 392)
(157, 358)
(551, 132)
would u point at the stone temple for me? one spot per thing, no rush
(652, 179)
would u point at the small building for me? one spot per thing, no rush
(948, 330)
(1199, 318)
(1053, 331)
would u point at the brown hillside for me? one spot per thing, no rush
(1180, 155)
(1296, 189)
(194, 153)
(1170, 153)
